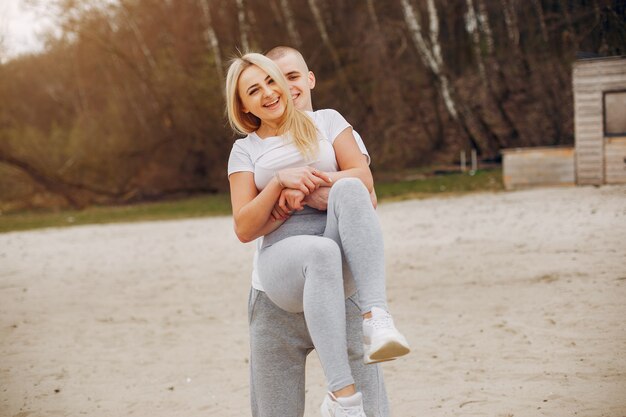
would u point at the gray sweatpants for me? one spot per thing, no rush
(279, 345)
(303, 272)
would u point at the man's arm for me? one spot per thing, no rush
(318, 199)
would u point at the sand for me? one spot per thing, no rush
(514, 303)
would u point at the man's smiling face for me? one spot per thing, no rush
(301, 81)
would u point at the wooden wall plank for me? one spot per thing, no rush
(538, 166)
(615, 160)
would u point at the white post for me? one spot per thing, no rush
(474, 162)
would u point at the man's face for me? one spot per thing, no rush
(301, 81)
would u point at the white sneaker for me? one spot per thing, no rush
(381, 340)
(343, 407)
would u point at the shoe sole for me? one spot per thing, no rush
(387, 352)
(370, 361)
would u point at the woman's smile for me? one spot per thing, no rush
(273, 104)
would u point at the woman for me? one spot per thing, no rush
(283, 158)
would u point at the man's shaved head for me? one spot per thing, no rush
(300, 79)
(279, 52)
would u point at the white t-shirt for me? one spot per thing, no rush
(264, 157)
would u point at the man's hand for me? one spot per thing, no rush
(318, 199)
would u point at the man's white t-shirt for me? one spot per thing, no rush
(263, 157)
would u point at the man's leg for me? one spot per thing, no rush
(279, 344)
(368, 378)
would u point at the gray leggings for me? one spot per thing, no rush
(303, 272)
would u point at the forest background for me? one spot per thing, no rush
(126, 102)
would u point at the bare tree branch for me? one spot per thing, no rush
(72, 192)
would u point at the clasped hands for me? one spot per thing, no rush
(302, 186)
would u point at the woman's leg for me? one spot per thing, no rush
(303, 274)
(353, 224)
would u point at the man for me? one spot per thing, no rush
(279, 340)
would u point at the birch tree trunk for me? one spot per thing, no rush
(211, 38)
(510, 19)
(472, 27)
(509, 8)
(243, 25)
(490, 95)
(485, 27)
(294, 36)
(429, 58)
(430, 52)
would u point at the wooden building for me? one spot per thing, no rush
(599, 154)
(600, 120)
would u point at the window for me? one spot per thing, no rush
(615, 113)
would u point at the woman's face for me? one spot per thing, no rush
(261, 95)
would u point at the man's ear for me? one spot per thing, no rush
(311, 80)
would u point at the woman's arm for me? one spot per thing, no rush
(252, 209)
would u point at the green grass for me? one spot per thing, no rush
(448, 184)
(210, 205)
(215, 205)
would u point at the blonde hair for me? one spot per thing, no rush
(297, 124)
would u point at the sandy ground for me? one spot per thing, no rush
(515, 304)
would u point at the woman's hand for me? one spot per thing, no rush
(288, 201)
(291, 200)
(305, 179)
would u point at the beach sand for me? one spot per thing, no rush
(514, 304)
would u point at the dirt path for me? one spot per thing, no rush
(515, 304)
